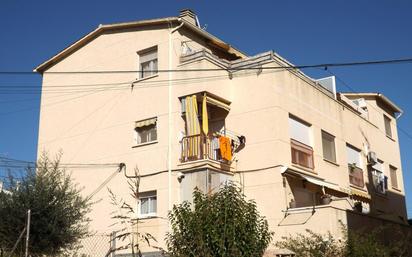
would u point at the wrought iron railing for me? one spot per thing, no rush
(200, 147)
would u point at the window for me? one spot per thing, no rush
(299, 131)
(146, 131)
(388, 128)
(354, 156)
(394, 177)
(380, 181)
(328, 144)
(354, 166)
(147, 203)
(302, 152)
(147, 62)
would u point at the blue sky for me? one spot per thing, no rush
(304, 32)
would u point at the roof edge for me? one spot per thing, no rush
(125, 25)
(89, 36)
(382, 97)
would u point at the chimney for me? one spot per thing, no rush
(189, 16)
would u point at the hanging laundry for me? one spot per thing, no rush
(214, 143)
(225, 148)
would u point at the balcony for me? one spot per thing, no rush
(200, 147)
(205, 136)
(356, 176)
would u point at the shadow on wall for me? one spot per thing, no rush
(391, 225)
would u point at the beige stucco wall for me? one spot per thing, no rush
(95, 125)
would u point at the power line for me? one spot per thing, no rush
(405, 132)
(324, 65)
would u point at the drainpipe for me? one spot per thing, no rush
(170, 120)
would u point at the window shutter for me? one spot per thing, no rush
(149, 56)
(299, 131)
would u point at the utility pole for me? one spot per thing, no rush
(27, 233)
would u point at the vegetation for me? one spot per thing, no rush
(126, 224)
(58, 211)
(219, 224)
(312, 244)
(383, 241)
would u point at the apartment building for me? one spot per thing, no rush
(187, 109)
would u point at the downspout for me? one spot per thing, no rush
(170, 120)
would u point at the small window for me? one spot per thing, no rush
(394, 177)
(147, 203)
(146, 131)
(388, 128)
(148, 62)
(328, 144)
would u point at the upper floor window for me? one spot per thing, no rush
(394, 177)
(147, 205)
(328, 144)
(146, 131)
(302, 152)
(354, 166)
(388, 128)
(148, 62)
(354, 156)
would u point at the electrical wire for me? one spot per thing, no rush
(325, 65)
(353, 91)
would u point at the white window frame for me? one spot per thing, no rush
(355, 149)
(324, 133)
(138, 136)
(295, 125)
(387, 122)
(147, 195)
(145, 58)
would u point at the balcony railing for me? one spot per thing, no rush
(200, 147)
(356, 176)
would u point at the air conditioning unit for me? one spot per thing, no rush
(372, 158)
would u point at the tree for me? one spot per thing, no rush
(219, 224)
(58, 211)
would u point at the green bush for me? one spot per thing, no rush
(219, 224)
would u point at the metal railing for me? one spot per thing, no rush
(200, 147)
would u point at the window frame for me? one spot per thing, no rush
(388, 126)
(137, 135)
(359, 154)
(304, 123)
(394, 171)
(302, 153)
(324, 133)
(150, 195)
(153, 70)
